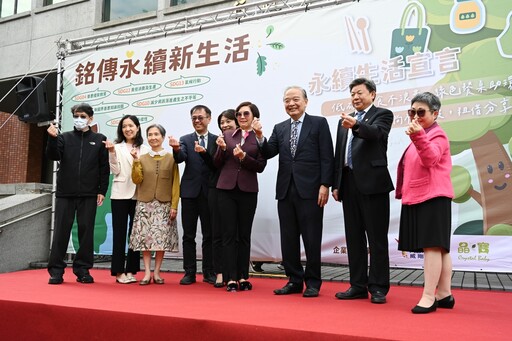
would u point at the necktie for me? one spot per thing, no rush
(294, 137)
(359, 115)
(201, 141)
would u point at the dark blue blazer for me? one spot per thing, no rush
(369, 148)
(313, 163)
(197, 172)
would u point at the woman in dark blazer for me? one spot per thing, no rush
(239, 158)
(226, 121)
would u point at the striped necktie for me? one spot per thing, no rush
(359, 115)
(294, 137)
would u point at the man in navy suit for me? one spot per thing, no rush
(362, 182)
(194, 194)
(305, 174)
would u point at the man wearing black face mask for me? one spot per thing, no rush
(82, 183)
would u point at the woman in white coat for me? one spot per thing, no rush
(124, 265)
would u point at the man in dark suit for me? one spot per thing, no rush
(362, 182)
(305, 174)
(194, 194)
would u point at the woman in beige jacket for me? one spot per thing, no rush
(158, 189)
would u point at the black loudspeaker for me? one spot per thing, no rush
(32, 100)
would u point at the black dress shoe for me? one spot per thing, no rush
(289, 288)
(422, 310)
(209, 278)
(351, 294)
(245, 286)
(310, 292)
(55, 280)
(256, 266)
(446, 303)
(378, 297)
(86, 278)
(232, 286)
(188, 279)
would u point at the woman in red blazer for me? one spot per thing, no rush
(425, 187)
(239, 158)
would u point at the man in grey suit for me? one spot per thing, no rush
(194, 194)
(305, 174)
(362, 182)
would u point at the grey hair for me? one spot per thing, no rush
(157, 126)
(433, 102)
(299, 88)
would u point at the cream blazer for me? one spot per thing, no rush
(121, 167)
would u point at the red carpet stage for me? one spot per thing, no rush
(30, 309)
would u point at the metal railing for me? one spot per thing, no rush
(197, 22)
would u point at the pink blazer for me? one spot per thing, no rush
(424, 169)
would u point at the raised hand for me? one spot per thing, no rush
(238, 152)
(52, 130)
(174, 143)
(347, 121)
(414, 127)
(110, 146)
(257, 127)
(134, 153)
(220, 142)
(198, 148)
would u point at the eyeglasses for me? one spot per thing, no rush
(245, 114)
(81, 116)
(419, 112)
(198, 118)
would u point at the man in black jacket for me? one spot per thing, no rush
(82, 183)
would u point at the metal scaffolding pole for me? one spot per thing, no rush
(63, 48)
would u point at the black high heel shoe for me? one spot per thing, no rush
(219, 284)
(447, 303)
(422, 310)
(232, 286)
(245, 286)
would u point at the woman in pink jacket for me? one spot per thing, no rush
(425, 187)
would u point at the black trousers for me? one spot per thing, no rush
(301, 217)
(215, 214)
(65, 210)
(123, 211)
(366, 226)
(237, 220)
(191, 210)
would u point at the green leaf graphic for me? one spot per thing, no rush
(276, 45)
(261, 64)
(270, 29)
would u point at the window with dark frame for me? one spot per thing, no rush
(11, 7)
(118, 9)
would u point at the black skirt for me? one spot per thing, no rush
(424, 225)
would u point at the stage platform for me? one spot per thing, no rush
(33, 310)
(340, 273)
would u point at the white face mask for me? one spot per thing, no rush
(80, 123)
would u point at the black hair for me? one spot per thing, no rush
(229, 114)
(254, 109)
(82, 107)
(139, 140)
(370, 85)
(199, 107)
